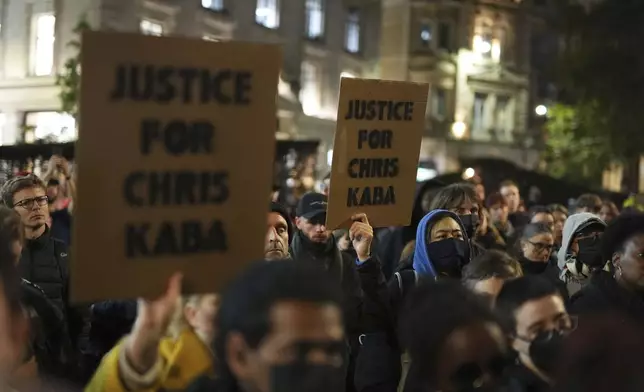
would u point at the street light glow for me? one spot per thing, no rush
(468, 173)
(541, 110)
(458, 129)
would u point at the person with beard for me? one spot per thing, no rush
(461, 199)
(579, 255)
(279, 233)
(392, 242)
(279, 330)
(534, 318)
(44, 259)
(621, 290)
(454, 341)
(534, 252)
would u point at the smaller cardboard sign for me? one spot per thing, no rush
(175, 153)
(375, 153)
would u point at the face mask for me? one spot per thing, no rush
(589, 252)
(304, 376)
(545, 349)
(471, 223)
(448, 256)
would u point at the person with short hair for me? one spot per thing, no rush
(279, 233)
(487, 273)
(510, 191)
(588, 202)
(445, 330)
(622, 289)
(560, 213)
(461, 199)
(542, 214)
(534, 317)
(499, 215)
(609, 211)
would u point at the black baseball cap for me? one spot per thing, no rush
(310, 205)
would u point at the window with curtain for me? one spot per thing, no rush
(44, 36)
(315, 18)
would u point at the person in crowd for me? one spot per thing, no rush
(542, 214)
(48, 350)
(534, 317)
(169, 345)
(461, 199)
(479, 188)
(588, 202)
(591, 362)
(279, 233)
(499, 214)
(61, 190)
(454, 341)
(535, 249)
(516, 207)
(609, 211)
(620, 290)
(44, 260)
(487, 235)
(579, 255)
(279, 328)
(392, 242)
(486, 274)
(560, 213)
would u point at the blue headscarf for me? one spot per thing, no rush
(422, 263)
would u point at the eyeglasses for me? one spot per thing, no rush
(540, 246)
(28, 204)
(565, 325)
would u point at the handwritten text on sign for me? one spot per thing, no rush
(375, 153)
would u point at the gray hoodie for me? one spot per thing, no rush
(574, 224)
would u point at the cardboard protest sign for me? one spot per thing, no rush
(175, 153)
(375, 152)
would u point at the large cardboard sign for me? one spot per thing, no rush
(175, 152)
(375, 152)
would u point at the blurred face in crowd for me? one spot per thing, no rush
(499, 213)
(444, 229)
(300, 332)
(200, 311)
(607, 213)
(537, 322)
(629, 264)
(471, 357)
(52, 192)
(560, 219)
(546, 218)
(512, 197)
(31, 205)
(276, 245)
(314, 228)
(480, 191)
(538, 247)
(489, 288)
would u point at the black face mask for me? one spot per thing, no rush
(304, 376)
(545, 349)
(448, 256)
(471, 223)
(589, 252)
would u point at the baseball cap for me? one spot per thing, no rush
(310, 205)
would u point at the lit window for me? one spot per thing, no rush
(438, 103)
(425, 34)
(314, 18)
(214, 5)
(310, 96)
(352, 32)
(51, 126)
(149, 27)
(478, 114)
(44, 35)
(267, 13)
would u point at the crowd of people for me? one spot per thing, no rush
(477, 293)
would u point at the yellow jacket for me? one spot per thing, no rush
(181, 360)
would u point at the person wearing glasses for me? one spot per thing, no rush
(534, 250)
(534, 317)
(44, 259)
(579, 254)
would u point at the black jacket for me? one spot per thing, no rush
(603, 295)
(518, 378)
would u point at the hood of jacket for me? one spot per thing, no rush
(422, 262)
(417, 212)
(280, 209)
(574, 224)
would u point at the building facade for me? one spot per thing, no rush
(321, 40)
(482, 59)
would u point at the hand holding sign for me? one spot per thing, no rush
(361, 235)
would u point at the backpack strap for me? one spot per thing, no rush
(407, 280)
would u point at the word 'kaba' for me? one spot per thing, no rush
(171, 239)
(371, 196)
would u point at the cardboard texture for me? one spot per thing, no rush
(376, 151)
(173, 175)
